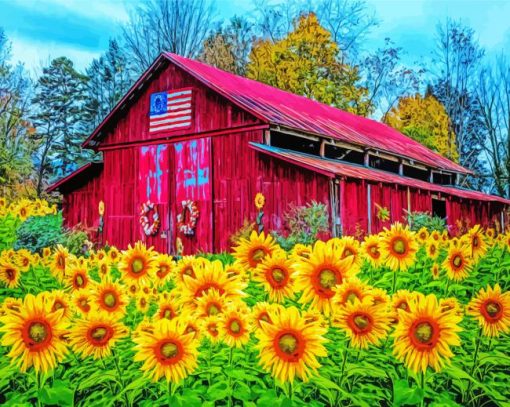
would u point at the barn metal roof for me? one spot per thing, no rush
(295, 112)
(333, 168)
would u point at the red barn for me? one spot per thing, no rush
(189, 132)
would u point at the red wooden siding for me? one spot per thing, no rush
(239, 173)
(192, 180)
(211, 111)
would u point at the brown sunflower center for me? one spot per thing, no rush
(258, 255)
(424, 332)
(361, 321)
(79, 280)
(288, 343)
(327, 279)
(61, 261)
(167, 314)
(399, 246)
(169, 350)
(235, 326)
(475, 241)
(38, 332)
(264, 317)
(493, 308)
(457, 261)
(347, 252)
(137, 265)
(213, 309)
(110, 300)
(189, 271)
(11, 273)
(57, 305)
(278, 275)
(351, 296)
(403, 305)
(98, 333)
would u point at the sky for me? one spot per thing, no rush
(40, 30)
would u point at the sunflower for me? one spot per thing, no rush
(476, 240)
(398, 247)
(458, 263)
(78, 278)
(371, 250)
(260, 201)
(422, 235)
(168, 308)
(9, 274)
(250, 252)
(193, 327)
(137, 264)
(300, 251)
(81, 300)
(318, 275)
(432, 249)
(23, 209)
(451, 304)
(164, 266)
(349, 247)
(435, 235)
(276, 275)
(379, 296)
(349, 291)
(35, 335)
(187, 266)
(423, 335)
(435, 270)
(260, 312)
(491, 308)
(59, 300)
(401, 300)
(103, 268)
(211, 303)
(289, 347)
(234, 327)
(110, 297)
(96, 334)
(235, 270)
(24, 258)
(210, 327)
(142, 303)
(363, 322)
(167, 351)
(113, 255)
(212, 276)
(11, 305)
(58, 266)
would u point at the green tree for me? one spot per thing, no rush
(59, 118)
(424, 119)
(306, 62)
(16, 131)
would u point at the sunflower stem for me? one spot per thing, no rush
(121, 381)
(446, 287)
(394, 285)
(475, 360)
(422, 385)
(38, 387)
(229, 377)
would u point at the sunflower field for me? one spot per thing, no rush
(400, 318)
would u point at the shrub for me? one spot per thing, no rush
(417, 220)
(303, 224)
(76, 241)
(243, 232)
(38, 232)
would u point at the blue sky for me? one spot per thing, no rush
(44, 29)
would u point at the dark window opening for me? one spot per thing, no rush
(344, 154)
(439, 208)
(289, 142)
(416, 173)
(383, 164)
(442, 179)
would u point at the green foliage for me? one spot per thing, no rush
(418, 220)
(303, 224)
(75, 241)
(38, 232)
(8, 226)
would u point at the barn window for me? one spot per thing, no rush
(416, 173)
(383, 164)
(295, 143)
(442, 179)
(439, 207)
(344, 154)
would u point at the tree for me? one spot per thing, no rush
(229, 46)
(16, 131)
(424, 119)
(108, 81)
(348, 21)
(306, 62)
(178, 26)
(387, 80)
(59, 120)
(492, 94)
(457, 57)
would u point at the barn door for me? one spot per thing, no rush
(153, 187)
(192, 182)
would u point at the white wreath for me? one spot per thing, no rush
(149, 229)
(188, 228)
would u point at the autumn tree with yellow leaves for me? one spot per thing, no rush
(424, 119)
(307, 62)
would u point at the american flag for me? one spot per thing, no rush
(170, 110)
